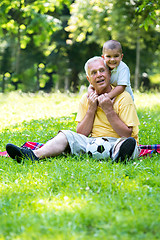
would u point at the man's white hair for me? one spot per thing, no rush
(90, 61)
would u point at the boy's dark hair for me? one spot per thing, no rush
(112, 44)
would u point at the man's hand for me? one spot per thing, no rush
(117, 124)
(93, 101)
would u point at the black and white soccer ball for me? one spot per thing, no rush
(99, 148)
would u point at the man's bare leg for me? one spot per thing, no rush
(53, 147)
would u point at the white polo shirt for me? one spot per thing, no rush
(121, 76)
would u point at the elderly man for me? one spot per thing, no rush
(97, 116)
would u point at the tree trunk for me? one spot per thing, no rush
(18, 51)
(136, 81)
(74, 80)
(37, 80)
(57, 85)
(3, 84)
(66, 84)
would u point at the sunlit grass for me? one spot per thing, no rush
(19, 107)
(75, 197)
(148, 108)
(147, 100)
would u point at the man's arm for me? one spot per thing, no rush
(85, 126)
(117, 124)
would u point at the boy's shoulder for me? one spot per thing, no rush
(122, 65)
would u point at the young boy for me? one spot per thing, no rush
(120, 74)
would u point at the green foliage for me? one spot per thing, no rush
(155, 79)
(64, 34)
(98, 21)
(75, 197)
(88, 17)
(30, 19)
(151, 11)
(28, 28)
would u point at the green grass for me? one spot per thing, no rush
(75, 197)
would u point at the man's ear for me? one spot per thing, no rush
(88, 79)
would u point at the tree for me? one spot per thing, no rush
(98, 21)
(151, 11)
(30, 23)
(46, 32)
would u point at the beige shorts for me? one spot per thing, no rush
(78, 142)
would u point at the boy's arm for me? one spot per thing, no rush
(116, 91)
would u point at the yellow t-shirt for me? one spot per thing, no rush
(123, 106)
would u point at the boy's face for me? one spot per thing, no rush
(112, 57)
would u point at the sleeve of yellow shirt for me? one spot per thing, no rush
(125, 108)
(82, 109)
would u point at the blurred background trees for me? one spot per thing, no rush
(44, 44)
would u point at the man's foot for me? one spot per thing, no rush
(20, 153)
(124, 149)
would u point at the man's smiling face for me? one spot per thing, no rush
(99, 76)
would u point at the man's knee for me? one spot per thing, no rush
(61, 137)
(63, 141)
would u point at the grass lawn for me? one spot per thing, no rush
(75, 197)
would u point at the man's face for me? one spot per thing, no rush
(98, 76)
(112, 57)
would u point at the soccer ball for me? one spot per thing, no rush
(99, 148)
